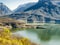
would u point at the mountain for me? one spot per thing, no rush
(4, 10)
(50, 11)
(21, 8)
(46, 5)
(42, 11)
(58, 3)
(40, 3)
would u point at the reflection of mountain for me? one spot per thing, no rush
(4, 9)
(21, 8)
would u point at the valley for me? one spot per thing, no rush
(35, 23)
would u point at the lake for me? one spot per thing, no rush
(49, 36)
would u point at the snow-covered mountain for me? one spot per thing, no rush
(23, 7)
(4, 10)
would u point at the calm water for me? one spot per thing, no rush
(49, 36)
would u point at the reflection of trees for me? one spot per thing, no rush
(45, 35)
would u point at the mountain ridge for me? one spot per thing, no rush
(42, 11)
(21, 8)
(4, 10)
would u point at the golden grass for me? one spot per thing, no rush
(6, 38)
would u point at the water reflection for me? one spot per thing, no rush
(48, 36)
(45, 35)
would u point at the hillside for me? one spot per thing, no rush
(4, 10)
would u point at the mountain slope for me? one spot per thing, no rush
(4, 10)
(46, 6)
(58, 3)
(40, 3)
(42, 11)
(21, 8)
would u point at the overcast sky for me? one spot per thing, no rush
(12, 4)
